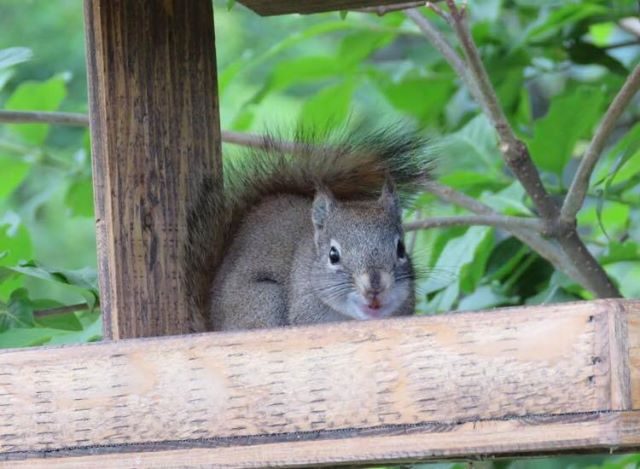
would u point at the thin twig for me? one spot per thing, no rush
(515, 152)
(630, 25)
(517, 157)
(37, 117)
(633, 42)
(438, 11)
(62, 310)
(580, 184)
(545, 248)
(498, 221)
(80, 120)
(437, 39)
(413, 237)
(384, 9)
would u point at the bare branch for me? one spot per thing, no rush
(630, 25)
(580, 184)
(452, 196)
(546, 248)
(498, 221)
(81, 120)
(384, 9)
(576, 257)
(515, 152)
(61, 310)
(437, 39)
(37, 117)
(438, 11)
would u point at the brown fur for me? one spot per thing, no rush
(352, 167)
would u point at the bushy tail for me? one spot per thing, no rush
(353, 165)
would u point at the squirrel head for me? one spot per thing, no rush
(361, 268)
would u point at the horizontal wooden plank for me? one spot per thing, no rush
(304, 391)
(597, 432)
(280, 7)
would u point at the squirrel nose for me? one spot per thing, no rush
(372, 284)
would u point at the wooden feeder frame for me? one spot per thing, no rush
(521, 381)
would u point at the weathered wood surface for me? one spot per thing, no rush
(155, 132)
(280, 7)
(511, 381)
(613, 432)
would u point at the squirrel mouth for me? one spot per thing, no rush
(373, 308)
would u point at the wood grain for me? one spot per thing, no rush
(610, 433)
(280, 7)
(155, 132)
(302, 391)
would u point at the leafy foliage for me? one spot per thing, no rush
(556, 66)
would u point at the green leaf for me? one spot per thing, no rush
(471, 272)
(474, 148)
(244, 66)
(40, 96)
(485, 297)
(582, 52)
(13, 56)
(297, 71)
(65, 321)
(83, 280)
(628, 251)
(570, 117)
(79, 198)
(626, 153)
(474, 183)
(15, 247)
(509, 201)
(562, 17)
(423, 97)
(18, 312)
(465, 257)
(14, 171)
(330, 106)
(358, 46)
(20, 337)
(91, 333)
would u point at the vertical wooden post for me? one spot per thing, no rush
(155, 131)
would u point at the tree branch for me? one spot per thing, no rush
(580, 184)
(545, 248)
(518, 159)
(630, 25)
(61, 310)
(437, 39)
(498, 221)
(384, 9)
(37, 117)
(515, 152)
(81, 120)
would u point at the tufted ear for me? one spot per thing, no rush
(323, 204)
(389, 197)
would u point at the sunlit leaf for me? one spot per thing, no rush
(18, 312)
(13, 56)
(570, 117)
(38, 96)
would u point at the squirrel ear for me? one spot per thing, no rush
(323, 203)
(389, 197)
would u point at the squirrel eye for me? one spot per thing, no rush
(334, 255)
(400, 250)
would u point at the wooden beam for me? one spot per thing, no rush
(155, 131)
(514, 381)
(281, 7)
